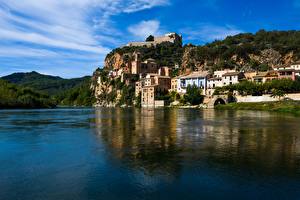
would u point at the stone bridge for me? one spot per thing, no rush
(211, 102)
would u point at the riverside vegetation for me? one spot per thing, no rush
(285, 106)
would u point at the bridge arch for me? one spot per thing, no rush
(219, 101)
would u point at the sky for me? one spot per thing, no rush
(70, 38)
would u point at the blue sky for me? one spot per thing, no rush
(70, 38)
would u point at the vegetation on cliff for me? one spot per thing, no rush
(80, 95)
(263, 48)
(112, 91)
(13, 96)
(165, 54)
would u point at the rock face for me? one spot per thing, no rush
(115, 61)
(269, 57)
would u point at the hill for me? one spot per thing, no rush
(14, 96)
(260, 51)
(51, 85)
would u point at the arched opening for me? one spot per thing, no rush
(219, 101)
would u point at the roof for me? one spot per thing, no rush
(215, 79)
(150, 60)
(201, 74)
(232, 74)
(282, 66)
(285, 70)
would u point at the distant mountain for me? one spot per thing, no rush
(51, 85)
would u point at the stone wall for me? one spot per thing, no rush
(265, 98)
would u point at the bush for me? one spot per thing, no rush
(193, 95)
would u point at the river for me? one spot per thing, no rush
(148, 154)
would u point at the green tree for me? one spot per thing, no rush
(150, 38)
(193, 95)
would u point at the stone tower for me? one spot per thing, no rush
(136, 63)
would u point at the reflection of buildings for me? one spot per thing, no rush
(163, 140)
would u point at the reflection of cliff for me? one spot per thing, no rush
(143, 139)
(164, 141)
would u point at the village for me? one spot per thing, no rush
(151, 80)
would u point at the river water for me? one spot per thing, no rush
(148, 154)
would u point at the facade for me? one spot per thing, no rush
(212, 83)
(263, 77)
(296, 65)
(231, 78)
(164, 71)
(250, 75)
(174, 84)
(138, 67)
(287, 74)
(152, 86)
(198, 79)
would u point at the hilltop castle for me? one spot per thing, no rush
(169, 37)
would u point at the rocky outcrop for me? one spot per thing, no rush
(115, 61)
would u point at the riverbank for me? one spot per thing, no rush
(279, 106)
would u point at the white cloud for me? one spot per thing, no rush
(42, 27)
(208, 32)
(145, 28)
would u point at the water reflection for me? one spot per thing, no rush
(168, 141)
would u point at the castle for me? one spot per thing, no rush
(169, 37)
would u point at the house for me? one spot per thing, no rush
(231, 78)
(151, 87)
(220, 73)
(250, 75)
(296, 67)
(263, 77)
(287, 74)
(175, 83)
(212, 83)
(199, 79)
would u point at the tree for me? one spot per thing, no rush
(150, 38)
(193, 95)
(276, 93)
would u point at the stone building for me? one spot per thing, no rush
(152, 86)
(169, 37)
(139, 67)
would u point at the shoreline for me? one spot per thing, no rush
(278, 106)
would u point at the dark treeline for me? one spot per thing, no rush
(34, 90)
(13, 96)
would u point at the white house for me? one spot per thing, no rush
(231, 78)
(198, 79)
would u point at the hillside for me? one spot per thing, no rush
(51, 85)
(14, 96)
(247, 51)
